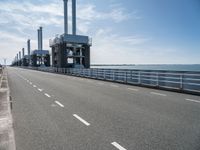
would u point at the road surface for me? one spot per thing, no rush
(59, 112)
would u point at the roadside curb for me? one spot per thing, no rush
(7, 139)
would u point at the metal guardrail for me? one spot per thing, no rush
(171, 80)
(1, 73)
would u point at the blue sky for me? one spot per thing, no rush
(123, 32)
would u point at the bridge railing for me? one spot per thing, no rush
(183, 81)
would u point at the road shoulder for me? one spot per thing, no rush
(7, 141)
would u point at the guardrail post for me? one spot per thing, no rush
(97, 73)
(104, 74)
(157, 79)
(181, 81)
(113, 75)
(125, 77)
(90, 73)
(139, 77)
(131, 76)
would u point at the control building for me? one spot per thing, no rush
(70, 50)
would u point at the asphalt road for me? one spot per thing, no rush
(58, 112)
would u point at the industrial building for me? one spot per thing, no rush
(70, 50)
(24, 61)
(40, 57)
(36, 58)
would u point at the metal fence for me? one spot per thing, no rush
(171, 80)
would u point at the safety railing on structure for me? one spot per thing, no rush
(183, 81)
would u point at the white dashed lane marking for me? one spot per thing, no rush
(159, 94)
(47, 95)
(132, 89)
(114, 85)
(34, 86)
(118, 146)
(61, 105)
(192, 100)
(82, 120)
(40, 90)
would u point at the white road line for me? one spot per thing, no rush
(40, 90)
(80, 119)
(34, 86)
(61, 105)
(132, 89)
(47, 95)
(192, 100)
(118, 146)
(30, 83)
(160, 94)
(114, 85)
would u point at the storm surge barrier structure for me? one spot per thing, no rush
(181, 81)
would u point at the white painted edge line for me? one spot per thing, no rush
(160, 94)
(118, 146)
(34, 86)
(61, 105)
(114, 85)
(192, 100)
(132, 89)
(47, 95)
(80, 119)
(40, 90)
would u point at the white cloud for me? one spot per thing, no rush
(109, 48)
(90, 13)
(22, 19)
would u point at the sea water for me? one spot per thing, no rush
(186, 67)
